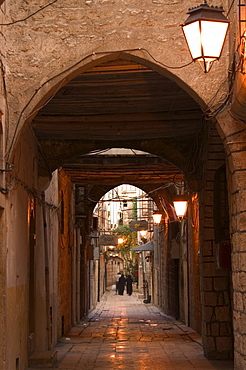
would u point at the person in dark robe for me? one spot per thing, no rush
(117, 282)
(129, 285)
(121, 284)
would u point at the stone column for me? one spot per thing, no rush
(215, 282)
(233, 133)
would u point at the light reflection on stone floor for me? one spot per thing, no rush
(124, 333)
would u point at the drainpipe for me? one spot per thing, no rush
(47, 284)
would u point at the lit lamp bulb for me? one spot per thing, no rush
(120, 240)
(157, 217)
(180, 206)
(143, 233)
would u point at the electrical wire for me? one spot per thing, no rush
(149, 168)
(120, 198)
(215, 107)
(30, 15)
(190, 165)
(166, 65)
(5, 97)
(230, 8)
(41, 151)
(35, 193)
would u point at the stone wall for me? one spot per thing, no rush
(215, 282)
(233, 133)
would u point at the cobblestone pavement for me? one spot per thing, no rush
(124, 333)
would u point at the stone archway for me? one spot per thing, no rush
(69, 42)
(50, 87)
(211, 296)
(53, 147)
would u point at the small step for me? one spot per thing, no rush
(43, 359)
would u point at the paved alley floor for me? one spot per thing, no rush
(124, 333)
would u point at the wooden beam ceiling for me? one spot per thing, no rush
(122, 104)
(140, 169)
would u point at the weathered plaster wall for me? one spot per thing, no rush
(215, 282)
(20, 182)
(23, 194)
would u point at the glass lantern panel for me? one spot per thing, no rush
(212, 37)
(157, 218)
(192, 35)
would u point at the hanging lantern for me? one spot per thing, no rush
(157, 217)
(180, 206)
(143, 233)
(205, 31)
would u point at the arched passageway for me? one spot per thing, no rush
(44, 46)
(121, 103)
(118, 104)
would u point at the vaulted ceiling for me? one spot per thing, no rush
(120, 104)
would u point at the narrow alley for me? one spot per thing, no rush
(111, 113)
(124, 333)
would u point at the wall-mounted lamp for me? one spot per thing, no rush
(157, 217)
(205, 31)
(180, 205)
